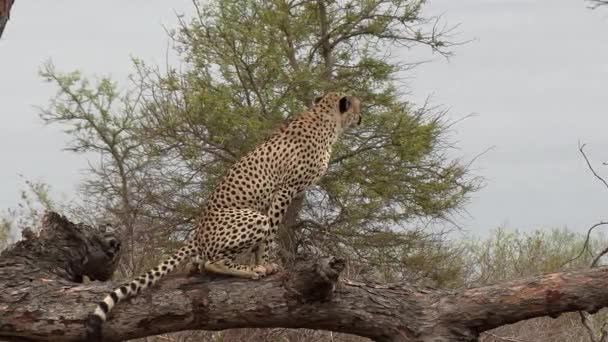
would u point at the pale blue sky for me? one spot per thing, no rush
(536, 75)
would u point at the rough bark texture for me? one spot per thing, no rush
(40, 298)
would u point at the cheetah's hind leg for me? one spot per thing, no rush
(228, 267)
(241, 231)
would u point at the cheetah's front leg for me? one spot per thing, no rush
(278, 207)
(262, 258)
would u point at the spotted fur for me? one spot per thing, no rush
(246, 208)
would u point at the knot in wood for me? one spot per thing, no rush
(315, 280)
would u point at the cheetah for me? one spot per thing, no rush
(245, 209)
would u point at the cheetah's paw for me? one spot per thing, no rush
(272, 268)
(258, 272)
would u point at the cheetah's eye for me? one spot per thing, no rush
(344, 104)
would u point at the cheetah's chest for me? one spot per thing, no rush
(317, 168)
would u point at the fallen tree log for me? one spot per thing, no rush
(42, 299)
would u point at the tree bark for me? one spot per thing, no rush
(41, 298)
(5, 11)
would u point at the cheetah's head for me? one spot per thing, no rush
(343, 108)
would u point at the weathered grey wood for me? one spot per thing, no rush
(41, 302)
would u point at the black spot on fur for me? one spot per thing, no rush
(226, 228)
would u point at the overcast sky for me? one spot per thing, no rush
(535, 75)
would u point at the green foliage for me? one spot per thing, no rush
(249, 65)
(509, 254)
(102, 121)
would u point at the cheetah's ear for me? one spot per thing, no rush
(344, 105)
(317, 99)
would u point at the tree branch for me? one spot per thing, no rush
(600, 178)
(41, 301)
(326, 50)
(5, 10)
(598, 3)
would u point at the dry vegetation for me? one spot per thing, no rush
(163, 144)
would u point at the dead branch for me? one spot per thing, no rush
(584, 316)
(581, 148)
(586, 246)
(597, 3)
(5, 11)
(42, 299)
(600, 178)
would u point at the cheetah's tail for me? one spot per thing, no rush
(95, 320)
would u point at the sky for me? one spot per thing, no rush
(534, 74)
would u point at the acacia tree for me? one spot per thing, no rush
(103, 122)
(248, 65)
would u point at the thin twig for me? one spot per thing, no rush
(586, 245)
(597, 258)
(601, 223)
(582, 314)
(580, 148)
